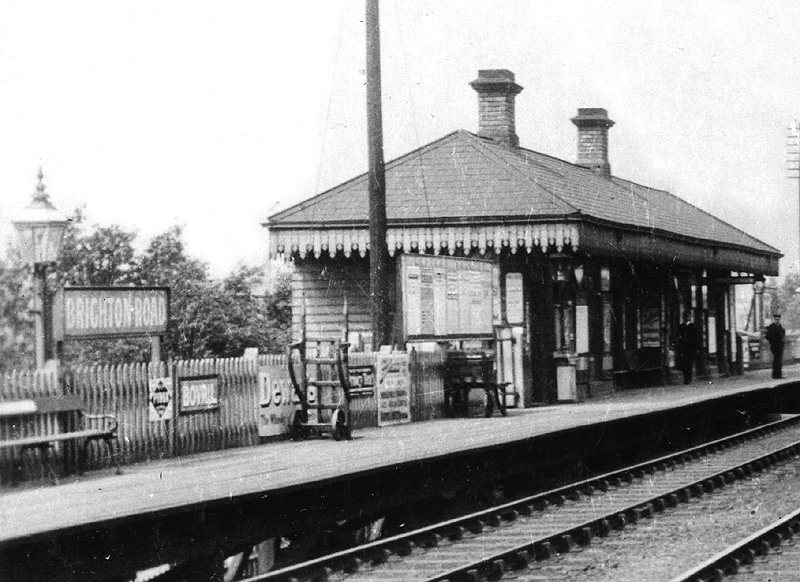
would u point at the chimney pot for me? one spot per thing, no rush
(593, 125)
(497, 90)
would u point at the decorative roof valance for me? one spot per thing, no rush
(440, 240)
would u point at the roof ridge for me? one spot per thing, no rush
(613, 177)
(316, 199)
(621, 179)
(584, 169)
(552, 157)
(479, 143)
(701, 210)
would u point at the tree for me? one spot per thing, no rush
(786, 301)
(16, 323)
(278, 304)
(165, 263)
(102, 256)
(264, 320)
(213, 318)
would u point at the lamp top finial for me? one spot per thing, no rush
(40, 193)
(41, 209)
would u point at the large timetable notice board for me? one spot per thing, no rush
(448, 297)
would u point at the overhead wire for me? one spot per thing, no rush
(330, 96)
(413, 115)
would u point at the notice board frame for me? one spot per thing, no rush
(425, 310)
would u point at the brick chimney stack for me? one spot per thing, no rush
(593, 125)
(496, 92)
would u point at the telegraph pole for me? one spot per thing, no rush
(793, 165)
(381, 289)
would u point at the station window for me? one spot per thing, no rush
(564, 301)
(607, 315)
(605, 279)
(608, 319)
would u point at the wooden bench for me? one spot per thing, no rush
(472, 370)
(641, 365)
(76, 423)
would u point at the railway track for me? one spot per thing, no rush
(667, 545)
(521, 536)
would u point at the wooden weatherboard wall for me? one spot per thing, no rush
(323, 288)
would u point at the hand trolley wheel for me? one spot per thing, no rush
(488, 401)
(503, 404)
(296, 429)
(340, 425)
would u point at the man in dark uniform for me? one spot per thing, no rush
(687, 346)
(776, 336)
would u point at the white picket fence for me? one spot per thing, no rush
(123, 390)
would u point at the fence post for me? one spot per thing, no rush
(174, 450)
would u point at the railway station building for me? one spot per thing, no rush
(595, 271)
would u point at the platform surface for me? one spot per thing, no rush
(171, 484)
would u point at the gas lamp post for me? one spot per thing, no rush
(758, 306)
(40, 229)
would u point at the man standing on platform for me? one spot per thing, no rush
(687, 346)
(776, 336)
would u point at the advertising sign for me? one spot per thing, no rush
(448, 297)
(581, 329)
(393, 384)
(362, 379)
(160, 399)
(275, 402)
(96, 312)
(199, 393)
(650, 326)
(514, 299)
(754, 345)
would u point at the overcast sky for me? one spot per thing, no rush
(213, 115)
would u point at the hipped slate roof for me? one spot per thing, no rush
(464, 179)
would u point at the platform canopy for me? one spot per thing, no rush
(467, 195)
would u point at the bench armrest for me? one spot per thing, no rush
(105, 422)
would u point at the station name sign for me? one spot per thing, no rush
(95, 312)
